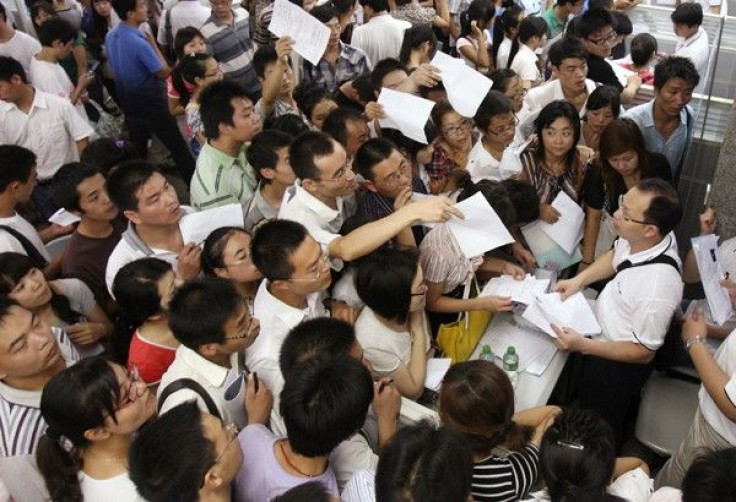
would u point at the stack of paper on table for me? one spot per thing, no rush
(548, 253)
(405, 112)
(708, 257)
(567, 231)
(196, 227)
(575, 313)
(466, 88)
(535, 350)
(521, 291)
(436, 369)
(481, 230)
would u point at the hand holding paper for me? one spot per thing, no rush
(481, 230)
(466, 88)
(196, 227)
(309, 35)
(405, 112)
(567, 231)
(707, 256)
(575, 313)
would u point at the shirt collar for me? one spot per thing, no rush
(315, 205)
(290, 316)
(668, 243)
(220, 157)
(213, 373)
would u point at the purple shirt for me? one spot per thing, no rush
(261, 477)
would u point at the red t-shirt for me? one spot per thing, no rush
(152, 360)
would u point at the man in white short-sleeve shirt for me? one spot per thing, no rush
(182, 14)
(381, 35)
(16, 44)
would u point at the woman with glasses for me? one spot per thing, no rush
(226, 254)
(603, 107)
(623, 162)
(143, 339)
(92, 410)
(497, 123)
(450, 149)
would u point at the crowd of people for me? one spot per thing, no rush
(269, 361)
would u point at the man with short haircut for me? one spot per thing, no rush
(636, 306)
(268, 153)
(140, 69)
(380, 36)
(181, 14)
(687, 19)
(47, 125)
(227, 34)
(212, 322)
(272, 64)
(81, 189)
(667, 122)
(596, 30)
(151, 205)
(16, 44)
(559, 13)
(223, 175)
(349, 128)
(388, 73)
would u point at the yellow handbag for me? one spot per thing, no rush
(458, 339)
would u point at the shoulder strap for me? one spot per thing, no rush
(188, 383)
(662, 258)
(32, 252)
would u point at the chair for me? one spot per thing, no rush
(57, 246)
(667, 408)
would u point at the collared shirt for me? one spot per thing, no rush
(51, 77)
(638, 303)
(539, 97)
(21, 47)
(350, 63)
(182, 14)
(221, 179)
(258, 209)
(231, 46)
(673, 147)
(696, 48)
(380, 38)
(526, 64)
(554, 25)
(374, 206)
(50, 130)
(482, 165)
(726, 359)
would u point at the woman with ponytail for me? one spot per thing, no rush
(523, 58)
(143, 339)
(476, 398)
(473, 44)
(91, 409)
(418, 46)
(505, 29)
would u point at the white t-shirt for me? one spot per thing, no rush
(21, 47)
(697, 50)
(183, 13)
(51, 78)
(467, 42)
(380, 38)
(525, 64)
(8, 243)
(386, 349)
(632, 486)
(482, 165)
(117, 489)
(726, 358)
(503, 52)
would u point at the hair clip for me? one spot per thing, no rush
(66, 443)
(570, 444)
(120, 143)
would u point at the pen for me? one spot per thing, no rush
(384, 383)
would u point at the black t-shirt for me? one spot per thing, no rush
(600, 72)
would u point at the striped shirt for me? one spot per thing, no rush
(351, 63)
(443, 261)
(546, 184)
(21, 423)
(232, 48)
(502, 479)
(220, 179)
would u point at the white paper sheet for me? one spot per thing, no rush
(195, 227)
(481, 230)
(568, 230)
(309, 35)
(523, 291)
(528, 344)
(548, 253)
(436, 369)
(708, 258)
(575, 313)
(466, 88)
(63, 217)
(405, 112)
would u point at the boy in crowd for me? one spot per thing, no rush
(559, 13)
(349, 128)
(687, 19)
(273, 67)
(16, 44)
(212, 322)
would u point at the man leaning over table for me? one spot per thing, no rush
(635, 307)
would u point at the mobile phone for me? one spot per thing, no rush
(93, 67)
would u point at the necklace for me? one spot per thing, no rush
(286, 458)
(106, 459)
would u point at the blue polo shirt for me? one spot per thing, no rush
(135, 64)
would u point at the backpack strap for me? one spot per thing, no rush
(659, 259)
(32, 252)
(188, 383)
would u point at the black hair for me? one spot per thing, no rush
(413, 38)
(567, 48)
(407, 146)
(372, 152)
(126, 179)
(187, 69)
(308, 95)
(553, 111)
(531, 26)
(600, 4)
(200, 308)
(215, 105)
(643, 48)
(55, 29)
(674, 67)
(322, 336)
(272, 246)
(39, 7)
(264, 56)
(503, 26)
(213, 250)
(183, 37)
(688, 13)
(711, 477)
(122, 7)
(325, 401)
(501, 79)
(305, 149)
(363, 85)
(73, 401)
(263, 151)
(95, 33)
(494, 193)
(65, 183)
(3, 13)
(336, 123)
(375, 5)
(665, 208)
(135, 289)
(603, 96)
(383, 68)
(495, 103)
(10, 67)
(18, 163)
(424, 463)
(312, 491)
(622, 23)
(325, 12)
(592, 21)
(342, 6)
(170, 456)
(481, 11)
(384, 280)
(106, 153)
(524, 198)
(15, 266)
(289, 123)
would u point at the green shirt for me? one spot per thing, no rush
(220, 179)
(554, 25)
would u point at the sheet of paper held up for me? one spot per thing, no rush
(481, 230)
(465, 87)
(309, 35)
(548, 253)
(708, 258)
(568, 230)
(405, 112)
(529, 345)
(436, 369)
(195, 227)
(63, 217)
(575, 313)
(523, 291)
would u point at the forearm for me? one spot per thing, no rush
(405, 238)
(82, 144)
(602, 268)
(80, 58)
(483, 60)
(629, 92)
(448, 305)
(590, 234)
(367, 238)
(386, 429)
(626, 464)
(443, 10)
(272, 88)
(418, 364)
(535, 416)
(690, 272)
(713, 377)
(175, 107)
(494, 265)
(625, 352)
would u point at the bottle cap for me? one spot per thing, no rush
(486, 349)
(511, 350)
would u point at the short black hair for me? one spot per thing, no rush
(603, 96)
(308, 95)
(425, 463)
(325, 401)
(9, 67)
(675, 67)
(622, 23)
(495, 103)
(372, 152)
(343, 6)
(643, 48)
(200, 308)
(262, 153)
(336, 123)
(106, 153)
(273, 244)
(688, 13)
(325, 12)
(711, 477)
(67, 179)
(567, 48)
(305, 149)
(170, 455)
(312, 491)
(122, 7)
(376, 5)
(55, 29)
(383, 68)
(524, 198)
(551, 112)
(289, 123)
(496, 195)
(593, 21)
(315, 337)
(215, 105)
(126, 179)
(264, 56)
(384, 280)
(501, 78)
(665, 208)
(17, 162)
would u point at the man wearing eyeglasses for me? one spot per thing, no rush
(595, 29)
(636, 306)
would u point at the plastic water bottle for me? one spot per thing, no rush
(486, 354)
(511, 365)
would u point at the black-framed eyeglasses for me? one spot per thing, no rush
(626, 218)
(456, 129)
(611, 37)
(506, 129)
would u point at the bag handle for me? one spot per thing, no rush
(471, 280)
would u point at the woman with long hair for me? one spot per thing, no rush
(522, 57)
(450, 149)
(188, 41)
(602, 108)
(418, 46)
(472, 43)
(505, 30)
